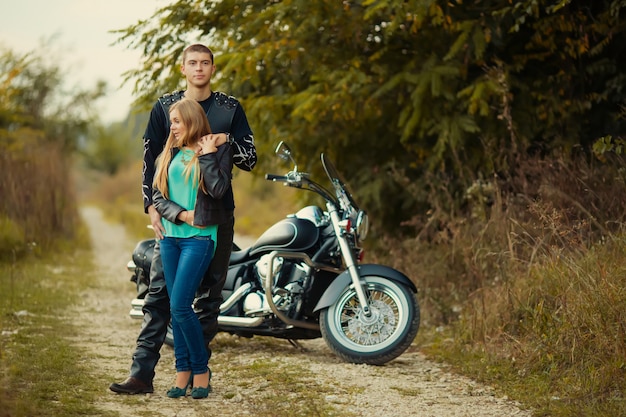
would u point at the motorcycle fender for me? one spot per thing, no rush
(343, 280)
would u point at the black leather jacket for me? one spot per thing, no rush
(225, 114)
(214, 207)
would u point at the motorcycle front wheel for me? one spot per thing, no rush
(379, 338)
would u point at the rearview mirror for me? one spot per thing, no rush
(283, 151)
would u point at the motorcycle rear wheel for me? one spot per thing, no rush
(377, 339)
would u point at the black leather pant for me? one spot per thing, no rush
(156, 307)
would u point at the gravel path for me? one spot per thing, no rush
(410, 385)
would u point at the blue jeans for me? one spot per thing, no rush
(185, 260)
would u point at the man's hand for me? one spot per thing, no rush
(155, 220)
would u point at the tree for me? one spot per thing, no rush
(41, 125)
(34, 95)
(458, 89)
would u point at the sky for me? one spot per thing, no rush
(80, 31)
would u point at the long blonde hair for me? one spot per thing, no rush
(192, 116)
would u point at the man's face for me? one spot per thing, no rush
(198, 69)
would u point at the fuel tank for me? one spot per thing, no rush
(291, 234)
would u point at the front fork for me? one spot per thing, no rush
(349, 259)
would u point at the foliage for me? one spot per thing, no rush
(459, 88)
(34, 96)
(110, 148)
(11, 239)
(553, 339)
(41, 124)
(527, 293)
(37, 194)
(470, 123)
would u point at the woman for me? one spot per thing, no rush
(191, 177)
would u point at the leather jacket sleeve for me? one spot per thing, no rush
(245, 153)
(154, 140)
(216, 169)
(166, 208)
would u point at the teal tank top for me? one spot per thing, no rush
(184, 193)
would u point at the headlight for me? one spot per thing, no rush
(362, 225)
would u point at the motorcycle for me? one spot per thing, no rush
(303, 279)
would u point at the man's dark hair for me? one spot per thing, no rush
(197, 47)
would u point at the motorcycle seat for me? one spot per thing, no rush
(239, 256)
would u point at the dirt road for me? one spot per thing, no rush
(410, 385)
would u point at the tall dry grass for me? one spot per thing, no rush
(524, 289)
(528, 290)
(37, 200)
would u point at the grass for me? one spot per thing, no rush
(290, 390)
(525, 290)
(43, 373)
(515, 299)
(407, 392)
(551, 335)
(554, 340)
(271, 386)
(530, 298)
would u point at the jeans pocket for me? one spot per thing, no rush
(202, 238)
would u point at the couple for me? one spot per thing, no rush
(187, 193)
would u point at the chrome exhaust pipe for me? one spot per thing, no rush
(239, 321)
(137, 313)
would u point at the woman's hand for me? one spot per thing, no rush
(209, 143)
(187, 217)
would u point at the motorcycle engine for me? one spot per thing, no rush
(287, 287)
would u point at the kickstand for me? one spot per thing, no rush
(297, 345)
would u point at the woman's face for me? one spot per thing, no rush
(178, 128)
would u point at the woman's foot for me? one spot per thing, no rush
(200, 392)
(201, 385)
(176, 392)
(182, 379)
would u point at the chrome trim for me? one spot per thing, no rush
(136, 311)
(269, 279)
(235, 296)
(239, 321)
(362, 225)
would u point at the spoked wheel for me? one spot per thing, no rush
(380, 337)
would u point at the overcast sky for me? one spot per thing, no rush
(80, 27)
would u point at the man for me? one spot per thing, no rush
(229, 123)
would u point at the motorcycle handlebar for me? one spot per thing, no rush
(300, 180)
(272, 177)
